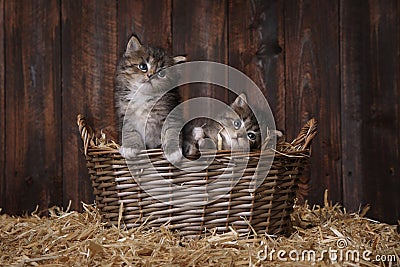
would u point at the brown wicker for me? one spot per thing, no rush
(245, 208)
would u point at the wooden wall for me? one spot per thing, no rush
(338, 61)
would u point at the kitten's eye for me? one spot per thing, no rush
(251, 136)
(142, 67)
(161, 73)
(237, 124)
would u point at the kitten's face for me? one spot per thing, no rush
(240, 127)
(145, 65)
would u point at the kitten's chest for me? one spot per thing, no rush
(141, 106)
(147, 111)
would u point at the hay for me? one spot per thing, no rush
(70, 238)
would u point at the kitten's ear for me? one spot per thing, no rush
(179, 59)
(133, 44)
(240, 101)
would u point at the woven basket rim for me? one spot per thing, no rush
(299, 147)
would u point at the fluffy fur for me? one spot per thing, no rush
(235, 133)
(141, 102)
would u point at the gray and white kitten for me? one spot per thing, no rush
(237, 129)
(142, 104)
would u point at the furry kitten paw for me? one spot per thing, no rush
(198, 133)
(173, 157)
(129, 152)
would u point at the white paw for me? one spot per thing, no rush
(198, 133)
(174, 157)
(128, 152)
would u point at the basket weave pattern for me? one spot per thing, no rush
(245, 208)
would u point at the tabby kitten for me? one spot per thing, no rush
(232, 133)
(141, 102)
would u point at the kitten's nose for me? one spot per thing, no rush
(150, 73)
(236, 135)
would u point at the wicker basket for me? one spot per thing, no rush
(245, 208)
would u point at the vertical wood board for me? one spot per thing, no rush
(355, 61)
(89, 38)
(255, 38)
(380, 109)
(33, 122)
(201, 34)
(313, 88)
(149, 20)
(2, 111)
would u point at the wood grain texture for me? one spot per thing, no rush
(33, 122)
(337, 61)
(199, 30)
(244, 41)
(150, 20)
(89, 38)
(271, 56)
(371, 99)
(355, 78)
(313, 87)
(381, 132)
(256, 38)
(2, 111)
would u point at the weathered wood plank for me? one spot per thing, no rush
(359, 114)
(256, 35)
(381, 144)
(371, 100)
(313, 87)
(200, 31)
(354, 50)
(2, 111)
(149, 20)
(88, 65)
(33, 122)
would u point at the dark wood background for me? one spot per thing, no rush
(337, 61)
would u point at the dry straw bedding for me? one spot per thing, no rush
(70, 238)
